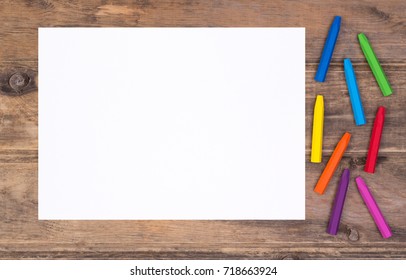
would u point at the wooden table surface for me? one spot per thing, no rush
(384, 22)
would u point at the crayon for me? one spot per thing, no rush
(328, 50)
(373, 208)
(317, 138)
(338, 204)
(357, 108)
(332, 164)
(375, 141)
(375, 66)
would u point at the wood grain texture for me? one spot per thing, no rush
(384, 22)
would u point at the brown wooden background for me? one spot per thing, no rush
(384, 22)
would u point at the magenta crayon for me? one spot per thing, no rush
(373, 208)
(338, 204)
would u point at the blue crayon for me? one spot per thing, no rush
(328, 50)
(353, 90)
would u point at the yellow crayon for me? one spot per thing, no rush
(318, 122)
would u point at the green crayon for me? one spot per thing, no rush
(376, 68)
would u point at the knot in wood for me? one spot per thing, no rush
(18, 81)
(352, 234)
(290, 257)
(357, 162)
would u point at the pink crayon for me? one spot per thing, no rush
(373, 208)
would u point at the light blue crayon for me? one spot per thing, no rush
(353, 90)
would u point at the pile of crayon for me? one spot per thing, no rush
(359, 116)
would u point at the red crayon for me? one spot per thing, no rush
(375, 140)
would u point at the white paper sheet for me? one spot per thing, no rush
(171, 123)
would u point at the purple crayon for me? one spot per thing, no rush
(338, 204)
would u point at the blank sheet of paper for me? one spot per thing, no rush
(171, 123)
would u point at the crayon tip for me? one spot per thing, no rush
(345, 176)
(362, 37)
(381, 110)
(346, 137)
(347, 62)
(319, 99)
(337, 20)
(360, 182)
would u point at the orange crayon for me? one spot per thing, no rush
(332, 164)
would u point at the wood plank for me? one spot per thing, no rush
(19, 115)
(158, 251)
(382, 21)
(22, 232)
